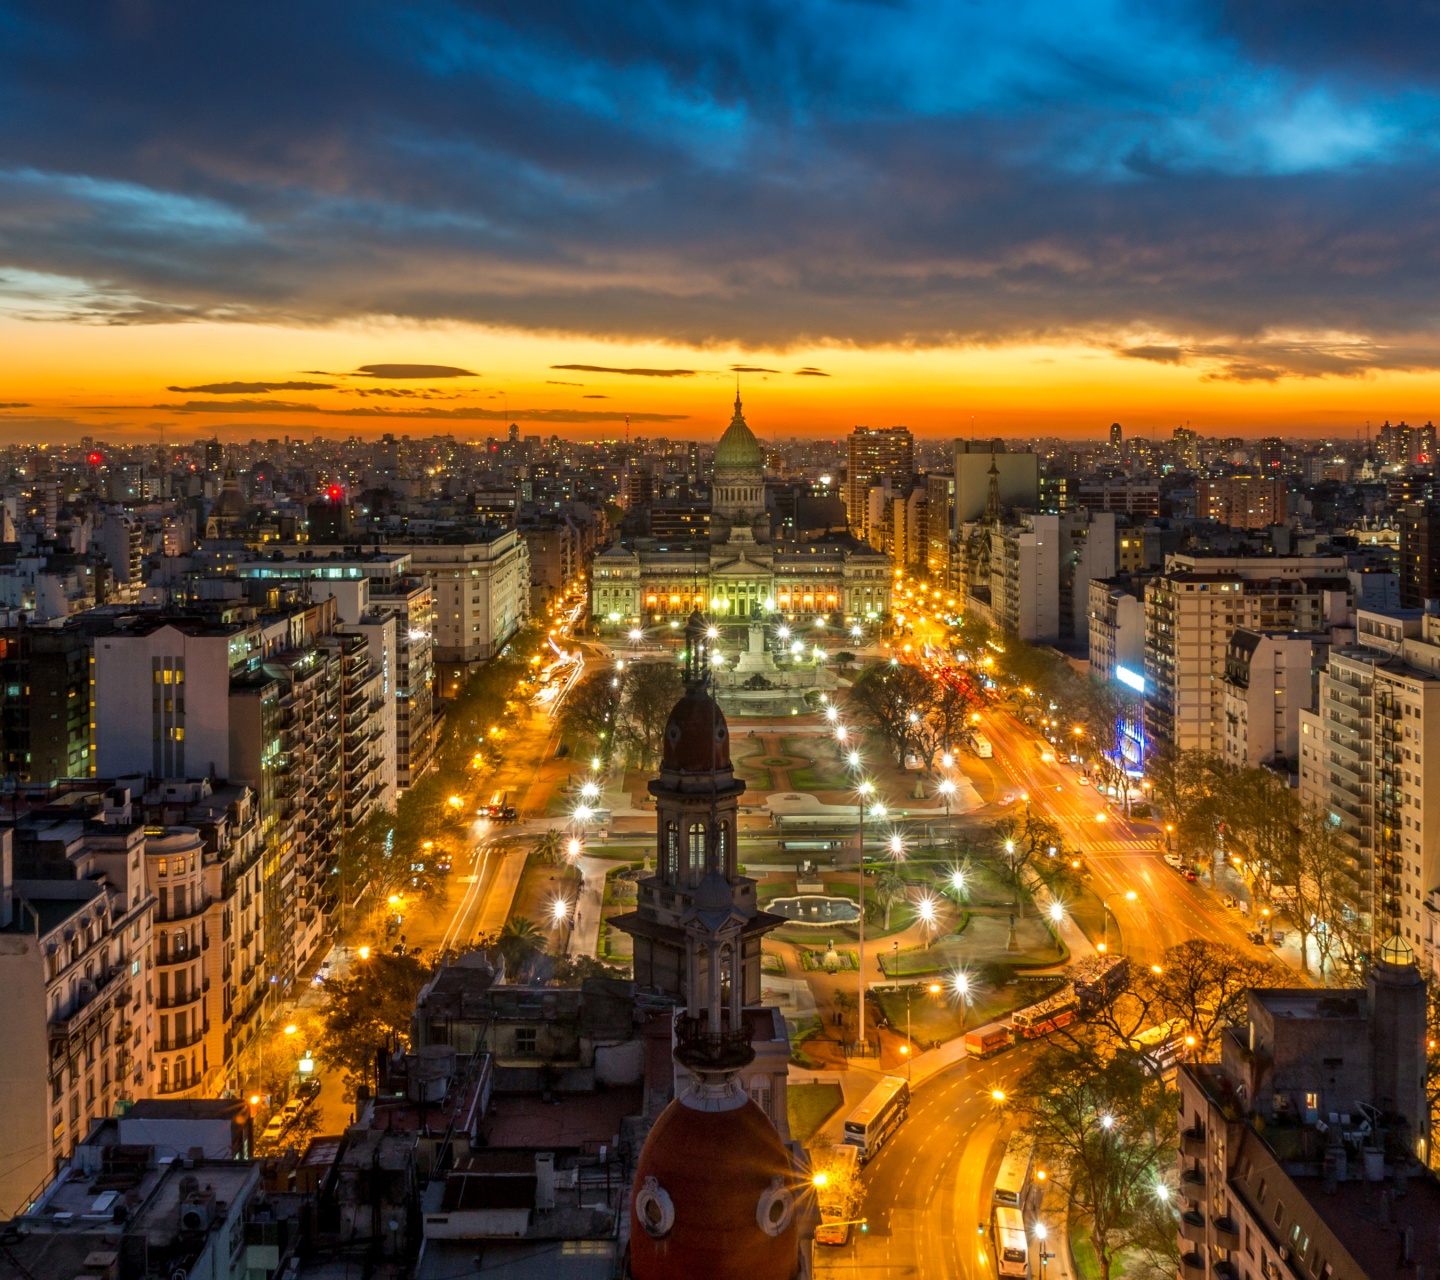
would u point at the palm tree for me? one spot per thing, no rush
(547, 847)
(519, 940)
(890, 888)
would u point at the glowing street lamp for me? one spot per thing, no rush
(590, 791)
(897, 847)
(864, 789)
(947, 790)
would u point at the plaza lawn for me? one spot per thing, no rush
(939, 1018)
(809, 1106)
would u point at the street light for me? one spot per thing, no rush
(864, 789)
(947, 789)
(897, 847)
(1130, 896)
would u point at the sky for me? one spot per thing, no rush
(1013, 218)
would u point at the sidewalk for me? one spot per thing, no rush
(585, 932)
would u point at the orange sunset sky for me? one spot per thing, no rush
(61, 379)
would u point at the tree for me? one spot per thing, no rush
(549, 847)
(591, 710)
(885, 696)
(519, 941)
(367, 1010)
(650, 691)
(1316, 870)
(890, 888)
(1203, 985)
(1107, 1131)
(571, 971)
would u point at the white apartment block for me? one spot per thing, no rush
(1194, 605)
(1270, 678)
(1117, 628)
(1363, 754)
(482, 597)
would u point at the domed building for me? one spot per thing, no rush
(718, 1194)
(738, 493)
(743, 574)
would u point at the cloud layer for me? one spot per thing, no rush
(1192, 181)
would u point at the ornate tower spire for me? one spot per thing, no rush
(992, 500)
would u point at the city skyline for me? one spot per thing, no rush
(1042, 221)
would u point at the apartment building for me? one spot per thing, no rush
(1040, 572)
(74, 953)
(939, 525)
(1194, 605)
(1270, 678)
(1243, 502)
(873, 456)
(1302, 1150)
(271, 702)
(368, 589)
(45, 686)
(1130, 497)
(1419, 554)
(1116, 621)
(1363, 753)
(482, 597)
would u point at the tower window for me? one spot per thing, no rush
(672, 853)
(697, 850)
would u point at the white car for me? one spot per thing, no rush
(1174, 860)
(1082, 780)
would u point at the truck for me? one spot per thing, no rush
(982, 746)
(988, 1041)
(838, 1192)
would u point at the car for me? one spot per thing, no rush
(1257, 936)
(1175, 860)
(309, 1088)
(1191, 874)
(1082, 781)
(275, 1130)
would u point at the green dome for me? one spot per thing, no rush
(738, 449)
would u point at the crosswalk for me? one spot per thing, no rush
(1136, 845)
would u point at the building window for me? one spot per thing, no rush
(525, 1040)
(697, 850)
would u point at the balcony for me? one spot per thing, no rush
(1227, 1233)
(181, 1000)
(1192, 1143)
(1192, 1227)
(1193, 1177)
(1192, 1266)
(168, 1044)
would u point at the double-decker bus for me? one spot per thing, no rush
(878, 1116)
(1059, 1010)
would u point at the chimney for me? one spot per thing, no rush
(544, 1179)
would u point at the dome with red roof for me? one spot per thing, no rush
(716, 1196)
(697, 739)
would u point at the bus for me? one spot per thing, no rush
(1049, 1015)
(1013, 1180)
(1099, 979)
(878, 1116)
(1012, 1246)
(1161, 1044)
(982, 746)
(988, 1042)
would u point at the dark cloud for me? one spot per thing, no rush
(551, 382)
(1159, 354)
(750, 368)
(634, 373)
(253, 388)
(14, 404)
(777, 175)
(593, 396)
(414, 371)
(810, 372)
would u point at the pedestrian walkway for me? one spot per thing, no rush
(500, 899)
(585, 932)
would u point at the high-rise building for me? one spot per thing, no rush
(1194, 605)
(1419, 554)
(1243, 502)
(1117, 436)
(482, 597)
(939, 525)
(873, 456)
(1366, 754)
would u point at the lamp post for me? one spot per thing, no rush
(962, 989)
(1130, 896)
(864, 790)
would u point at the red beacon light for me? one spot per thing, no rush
(335, 493)
(95, 459)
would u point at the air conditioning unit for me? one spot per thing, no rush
(198, 1212)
